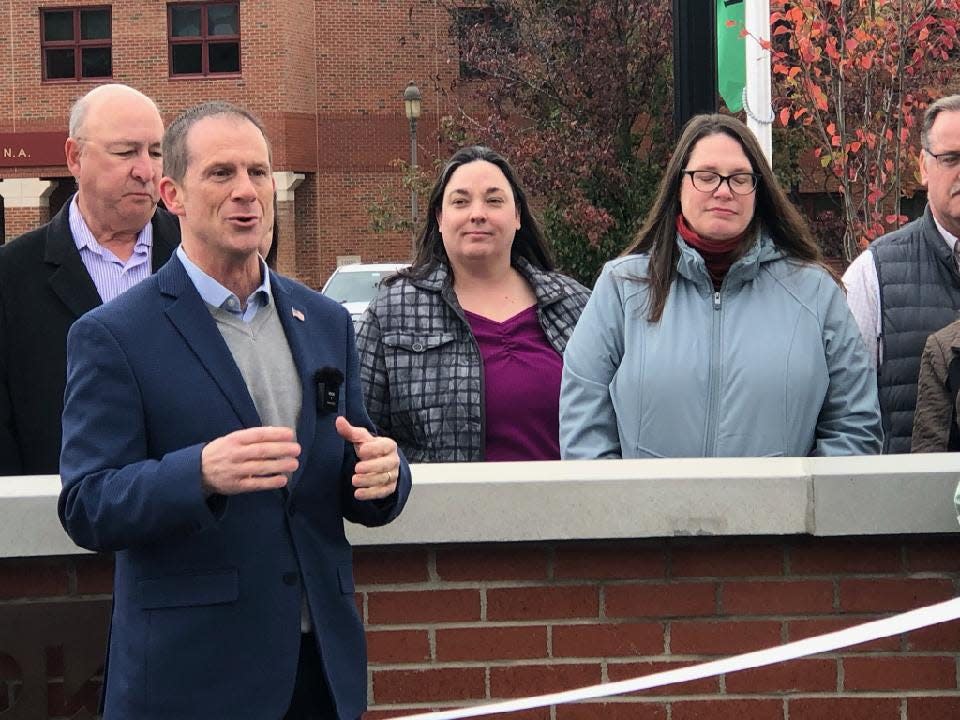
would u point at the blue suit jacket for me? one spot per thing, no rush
(207, 591)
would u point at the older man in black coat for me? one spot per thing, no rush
(108, 237)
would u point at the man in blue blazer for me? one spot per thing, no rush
(215, 438)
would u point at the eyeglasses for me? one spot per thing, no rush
(708, 181)
(947, 160)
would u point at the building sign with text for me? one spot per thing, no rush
(32, 149)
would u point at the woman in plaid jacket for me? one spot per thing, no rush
(461, 354)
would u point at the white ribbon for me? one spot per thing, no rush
(905, 622)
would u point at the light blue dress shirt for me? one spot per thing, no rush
(213, 293)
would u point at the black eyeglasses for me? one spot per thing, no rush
(949, 160)
(708, 181)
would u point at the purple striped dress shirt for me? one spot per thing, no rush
(111, 276)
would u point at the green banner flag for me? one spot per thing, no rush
(731, 53)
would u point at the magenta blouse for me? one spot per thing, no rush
(521, 374)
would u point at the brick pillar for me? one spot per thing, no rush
(287, 183)
(26, 204)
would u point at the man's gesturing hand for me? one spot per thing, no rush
(378, 464)
(248, 460)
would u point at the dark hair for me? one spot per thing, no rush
(529, 242)
(773, 211)
(175, 138)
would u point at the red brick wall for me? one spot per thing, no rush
(344, 228)
(307, 257)
(326, 75)
(17, 220)
(486, 622)
(466, 624)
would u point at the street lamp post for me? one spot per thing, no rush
(411, 105)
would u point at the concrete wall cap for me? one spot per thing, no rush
(608, 499)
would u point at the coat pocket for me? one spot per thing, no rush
(416, 342)
(424, 372)
(213, 587)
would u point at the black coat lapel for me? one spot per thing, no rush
(68, 278)
(166, 237)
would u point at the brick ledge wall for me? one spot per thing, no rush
(459, 624)
(799, 547)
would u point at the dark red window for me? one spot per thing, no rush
(204, 38)
(76, 43)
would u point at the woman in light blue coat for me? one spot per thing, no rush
(720, 332)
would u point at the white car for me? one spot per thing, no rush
(354, 286)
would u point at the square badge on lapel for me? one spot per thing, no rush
(329, 380)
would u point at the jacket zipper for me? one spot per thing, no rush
(713, 409)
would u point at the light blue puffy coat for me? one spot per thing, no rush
(772, 364)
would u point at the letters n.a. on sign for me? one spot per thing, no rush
(35, 149)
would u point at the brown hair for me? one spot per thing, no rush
(773, 211)
(175, 157)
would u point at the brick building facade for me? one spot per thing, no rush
(326, 76)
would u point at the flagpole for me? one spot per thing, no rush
(757, 91)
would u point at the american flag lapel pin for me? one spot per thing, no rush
(298, 315)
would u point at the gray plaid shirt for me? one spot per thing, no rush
(421, 368)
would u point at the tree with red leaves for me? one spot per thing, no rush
(577, 94)
(855, 77)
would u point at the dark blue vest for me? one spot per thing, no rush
(919, 294)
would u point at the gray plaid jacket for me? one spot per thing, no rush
(421, 368)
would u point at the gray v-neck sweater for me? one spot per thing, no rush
(262, 353)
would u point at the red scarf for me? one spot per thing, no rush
(718, 255)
